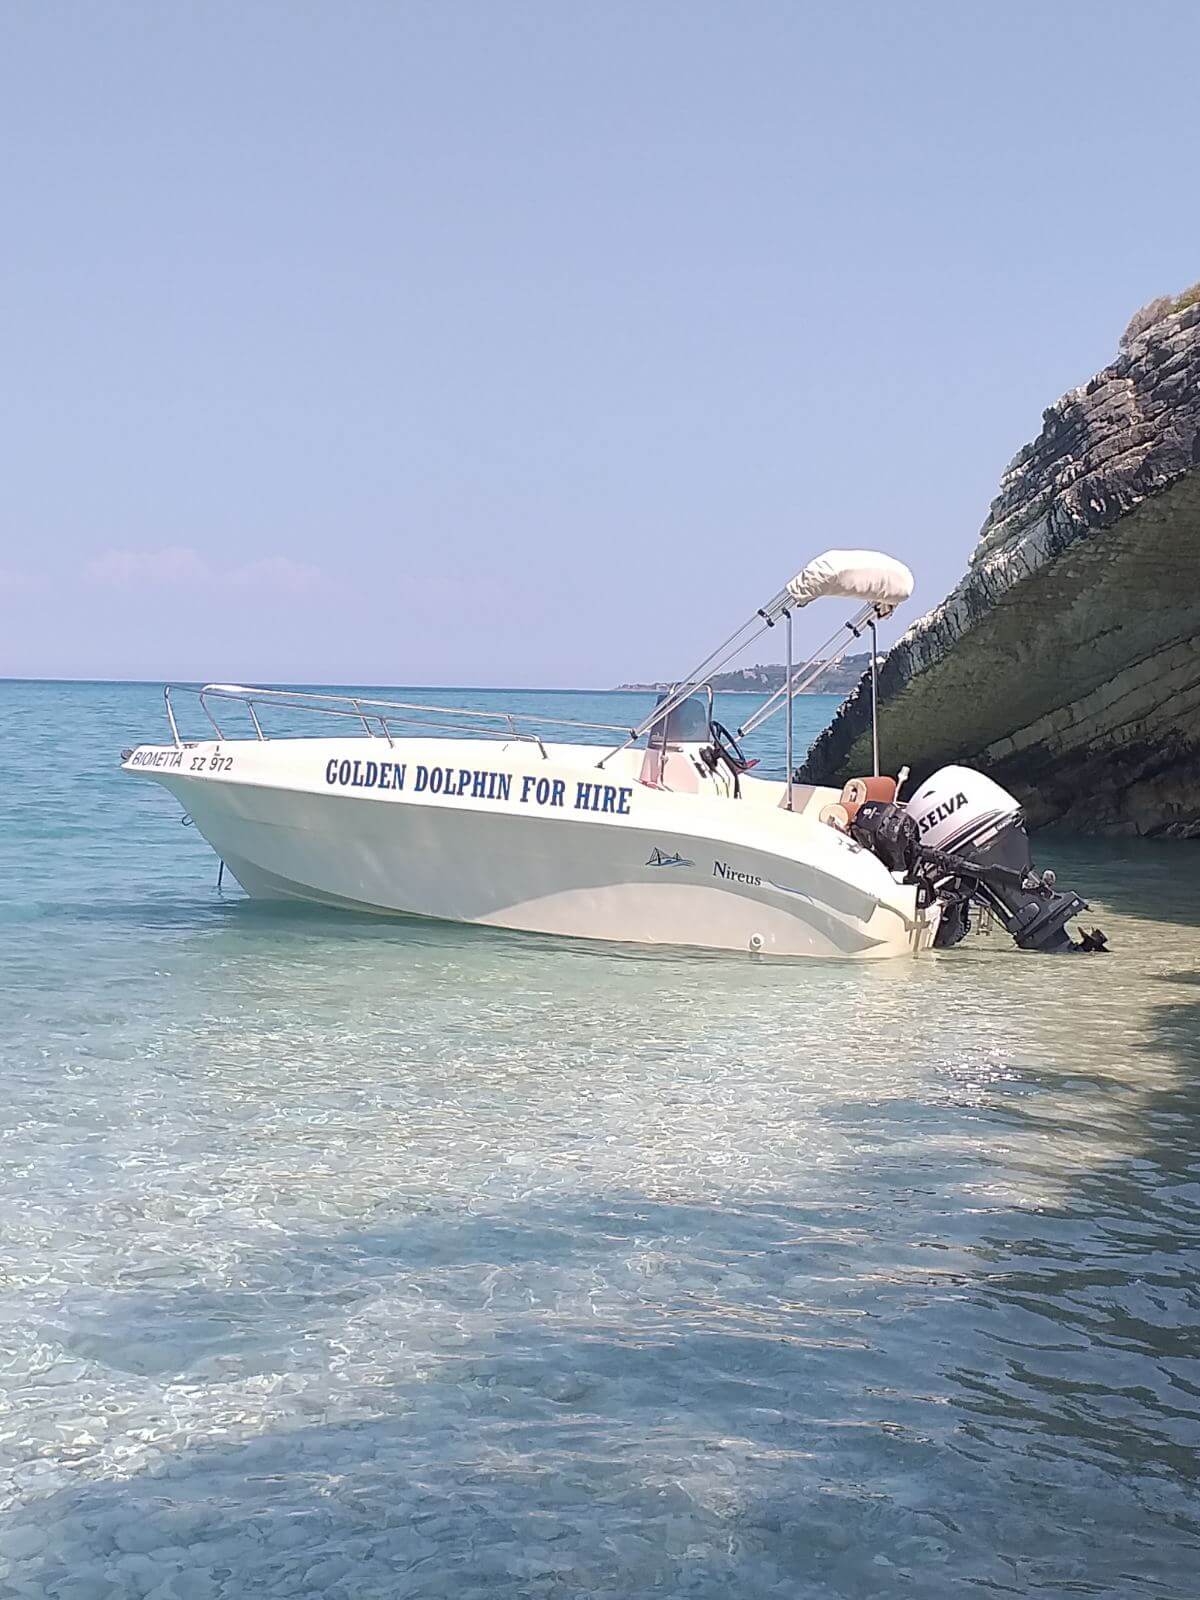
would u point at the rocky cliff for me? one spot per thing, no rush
(1067, 661)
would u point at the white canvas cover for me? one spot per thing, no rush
(863, 575)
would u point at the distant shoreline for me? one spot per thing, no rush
(838, 678)
(662, 688)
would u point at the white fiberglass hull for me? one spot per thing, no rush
(504, 836)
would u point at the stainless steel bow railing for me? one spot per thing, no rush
(376, 717)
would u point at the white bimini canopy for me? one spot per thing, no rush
(877, 582)
(863, 575)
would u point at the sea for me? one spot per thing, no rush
(359, 1257)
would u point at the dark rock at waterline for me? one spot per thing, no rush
(1067, 661)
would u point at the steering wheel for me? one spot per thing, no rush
(728, 748)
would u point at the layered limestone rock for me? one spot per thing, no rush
(1066, 663)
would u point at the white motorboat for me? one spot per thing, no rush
(657, 834)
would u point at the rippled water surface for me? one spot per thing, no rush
(363, 1258)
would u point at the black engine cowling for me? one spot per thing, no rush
(887, 830)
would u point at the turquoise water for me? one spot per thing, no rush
(363, 1258)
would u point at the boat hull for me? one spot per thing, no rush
(652, 868)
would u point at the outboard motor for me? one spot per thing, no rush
(963, 837)
(972, 830)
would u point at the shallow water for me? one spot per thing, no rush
(366, 1258)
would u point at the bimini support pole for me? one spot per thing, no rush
(809, 671)
(787, 616)
(845, 574)
(873, 624)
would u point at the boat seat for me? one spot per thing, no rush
(672, 769)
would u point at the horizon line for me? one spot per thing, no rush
(331, 683)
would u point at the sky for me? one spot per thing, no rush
(509, 343)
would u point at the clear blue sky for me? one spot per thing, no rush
(537, 343)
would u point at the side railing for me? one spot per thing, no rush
(379, 719)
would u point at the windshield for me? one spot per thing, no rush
(688, 723)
